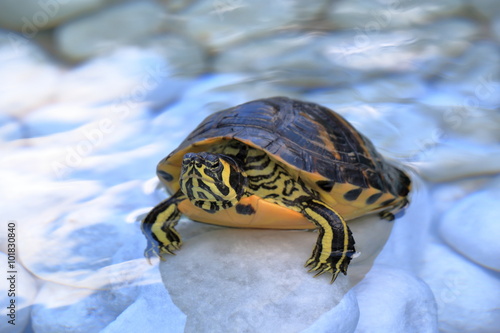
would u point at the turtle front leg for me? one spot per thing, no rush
(335, 245)
(159, 227)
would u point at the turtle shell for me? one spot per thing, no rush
(312, 142)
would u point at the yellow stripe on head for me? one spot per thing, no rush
(211, 181)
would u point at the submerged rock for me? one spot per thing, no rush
(106, 30)
(151, 311)
(410, 233)
(467, 295)
(31, 16)
(221, 23)
(25, 68)
(132, 297)
(412, 309)
(455, 159)
(343, 309)
(60, 308)
(289, 59)
(389, 15)
(398, 130)
(472, 227)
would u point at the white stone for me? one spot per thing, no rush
(126, 78)
(221, 23)
(63, 308)
(98, 147)
(468, 295)
(344, 309)
(409, 308)
(56, 118)
(475, 76)
(290, 60)
(466, 121)
(22, 291)
(106, 30)
(326, 59)
(397, 130)
(472, 227)
(209, 94)
(416, 51)
(253, 280)
(177, 5)
(387, 92)
(215, 93)
(371, 234)
(410, 232)
(31, 16)
(25, 67)
(336, 98)
(121, 294)
(487, 8)
(388, 51)
(389, 89)
(454, 159)
(388, 15)
(10, 128)
(496, 29)
(86, 236)
(444, 196)
(152, 311)
(185, 55)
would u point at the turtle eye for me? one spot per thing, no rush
(216, 164)
(216, 170)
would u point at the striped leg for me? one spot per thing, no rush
(335, 245)
(158, 227)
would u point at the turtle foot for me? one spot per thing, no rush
(167, 245)
(157, 250)
(330, 265)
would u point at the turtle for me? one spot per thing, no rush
(277, 163)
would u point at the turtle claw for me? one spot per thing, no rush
(308, 263)
(170, 248)
(175, 245)
(166, 250)
(155, 249)
(322, 271)
(148, 255)
(334, 276)
(320, 268)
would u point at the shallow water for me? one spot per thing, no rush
(82, 129)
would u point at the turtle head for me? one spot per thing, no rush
(211, 181)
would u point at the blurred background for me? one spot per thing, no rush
(94, 93)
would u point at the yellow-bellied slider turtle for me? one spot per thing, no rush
(277, 163)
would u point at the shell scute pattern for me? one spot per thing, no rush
(307, 139)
